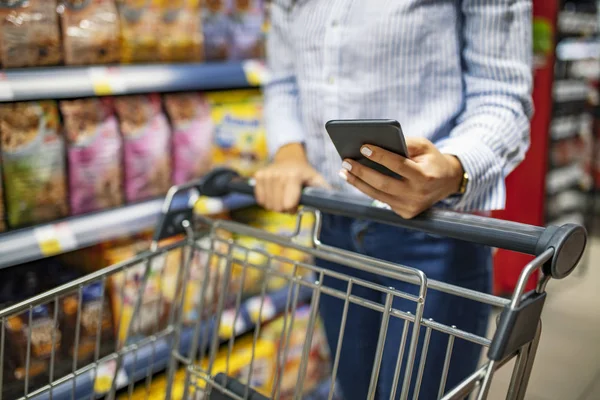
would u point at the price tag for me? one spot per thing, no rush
(55, 239)
(256, 72)
(267, 313)
(6, 92)
(107, 81)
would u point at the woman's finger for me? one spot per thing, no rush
(401, 165)
(377, 180)
(366, 188)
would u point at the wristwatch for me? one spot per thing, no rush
(463, 184)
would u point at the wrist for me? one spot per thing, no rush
(457, 174)
(292, 152)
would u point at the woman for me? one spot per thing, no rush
(457, 76)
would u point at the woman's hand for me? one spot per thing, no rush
(279, 185)
(429, 177)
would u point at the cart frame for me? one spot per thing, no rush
(557, 250)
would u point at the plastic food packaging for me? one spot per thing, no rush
(94, 152)
(180, 31)
(33, 158)
(216, 27)
(29, 33)
(140, 33)
(146, 140)
(247, 29)
(90, 31)
(192, 124)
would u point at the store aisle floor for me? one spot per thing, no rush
(567, 366)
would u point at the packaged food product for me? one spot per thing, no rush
(38, 322)
(247, 29)
(191, 120)
(33, 158)
(140, 35)
(180, 31)
(29, 33)
(239, 138)
(318, 365)
(96, 325)
(94, 153)
(124, 288)
(90, 31)
(146, 141)
(282, 225)
(216, 26)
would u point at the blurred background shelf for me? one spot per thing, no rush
(153, 357)
(38, 242)
(74, 82)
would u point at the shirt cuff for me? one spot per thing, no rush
(486, 189)
(282, 131)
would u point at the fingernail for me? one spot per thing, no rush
(367, 152)
(343, 174)
(347, 166)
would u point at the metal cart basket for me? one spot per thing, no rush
(182, 332)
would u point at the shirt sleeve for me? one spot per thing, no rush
(491, 136)
(282, 100)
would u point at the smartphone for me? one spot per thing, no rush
(348, 136)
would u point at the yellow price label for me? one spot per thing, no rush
(256, 72)
(107, 81)
(55, 239)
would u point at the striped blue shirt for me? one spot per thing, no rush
(457, 72)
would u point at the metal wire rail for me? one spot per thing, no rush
(212, 274)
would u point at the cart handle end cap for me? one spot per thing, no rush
(569, 243)
(216, 182)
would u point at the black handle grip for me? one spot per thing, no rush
(568, 241)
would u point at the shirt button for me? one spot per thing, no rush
(331, 80)
(334, 24)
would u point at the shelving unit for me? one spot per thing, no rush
(30, 244)
(73, 82)
(157, 354)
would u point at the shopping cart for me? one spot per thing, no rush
(187, 341)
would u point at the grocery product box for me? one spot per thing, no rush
(33, 162)
(216, 28)
(94, 154)
(239, 137)
(90, 31)
(139, 34)
(29, 33)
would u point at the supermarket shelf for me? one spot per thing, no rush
(577, 50)
(74, 82)
(157, 355)
(30, 244)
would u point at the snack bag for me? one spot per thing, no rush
(140, 35)
(317, 368)
(95, 323)
(29, 33)
(94, 153)
(180, 31)
(191, 120)
(247, 35)
(146, 141)
(216, 26)
(33, 157)
(239, 138)
(90, 31)
(124, 288)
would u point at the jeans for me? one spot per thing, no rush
(447, 260)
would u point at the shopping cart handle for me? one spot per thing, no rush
(568, 241)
